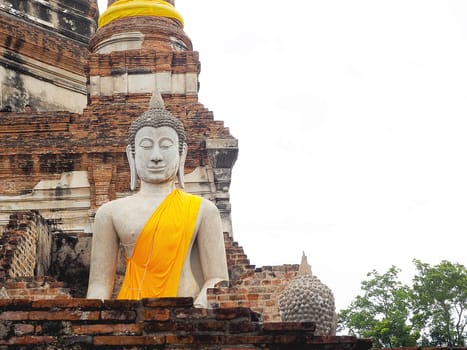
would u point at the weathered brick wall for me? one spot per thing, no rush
(25, 246)
(159, 33)
(102, 181)
(255, 288)
(41, 146)
(18, 35)
(33, 147)
(34, 288)
(151, 324)
(258, 290)
(18, 251)
(44, 47)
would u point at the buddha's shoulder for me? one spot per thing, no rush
(115, 206)
(208, 206)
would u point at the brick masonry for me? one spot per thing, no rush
(43, 51)
(24, 32)
(171, 323)
(25, 246)
(43, 145)
(34, 288)
(255, 288)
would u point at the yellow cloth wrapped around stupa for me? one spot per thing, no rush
(160, 251)
(130, 8)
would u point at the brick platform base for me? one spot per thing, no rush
(170, 323)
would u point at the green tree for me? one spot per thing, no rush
(382, 313)
(440, 303)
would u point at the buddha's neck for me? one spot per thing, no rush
(156, 190)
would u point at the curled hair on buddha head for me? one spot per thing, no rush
(157, 116)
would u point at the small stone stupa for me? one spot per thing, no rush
(306, 299)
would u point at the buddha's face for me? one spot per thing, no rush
(156, 154)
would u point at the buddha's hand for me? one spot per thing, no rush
(202, 300)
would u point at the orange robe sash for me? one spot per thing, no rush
(161, 248)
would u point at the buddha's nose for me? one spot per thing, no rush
(156, 155)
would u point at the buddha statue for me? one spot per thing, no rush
(173, 241)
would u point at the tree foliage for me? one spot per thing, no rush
(382, 313)
(440, 303)
(431, 312)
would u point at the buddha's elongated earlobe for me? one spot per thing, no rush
(181, 167)
(131, 162)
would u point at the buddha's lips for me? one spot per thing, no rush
(156, 169)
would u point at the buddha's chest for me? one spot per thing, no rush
(129, 226)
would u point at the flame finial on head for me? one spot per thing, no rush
(305, 268)
(156, 101)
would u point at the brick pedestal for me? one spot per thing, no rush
(170, 323)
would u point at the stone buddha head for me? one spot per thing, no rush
(156, 148)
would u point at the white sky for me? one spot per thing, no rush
(351, 118)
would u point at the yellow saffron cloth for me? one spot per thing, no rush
(161, 248)
(130, 8)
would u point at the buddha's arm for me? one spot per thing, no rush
(103, 256)
(211, 251)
